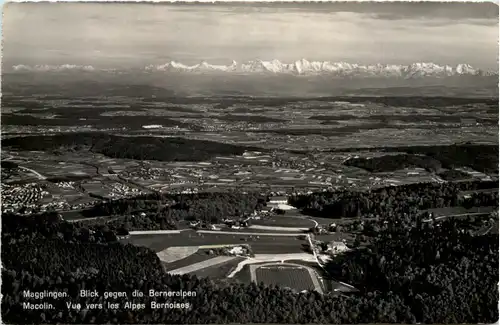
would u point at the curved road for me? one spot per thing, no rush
(457, 215)
(40, 176)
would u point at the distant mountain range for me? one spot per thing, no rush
(299, 67)
(339, 69)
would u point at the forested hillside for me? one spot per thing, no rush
(412, 272)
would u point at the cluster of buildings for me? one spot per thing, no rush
(236, 223)
(144, 173)
(66, 184)
(326, 250)
(120, 190)
(33, 198)
(239, 250)
(21, 196)
(306, 163)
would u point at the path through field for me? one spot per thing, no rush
(247, 233)
(154, 232)
(296, 229)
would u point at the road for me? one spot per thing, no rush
(92, 218)
(40, 176)
(482, 232)
(303, 218)
(457, 215)
(133, 184)
(248, 233)
(155, 232)
(348, 286)
(272, 228)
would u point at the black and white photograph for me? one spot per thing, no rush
(249, 162)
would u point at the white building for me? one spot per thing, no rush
(278, 200)
(336, 247)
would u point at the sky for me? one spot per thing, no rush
(114, 35)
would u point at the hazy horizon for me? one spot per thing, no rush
(135, 35)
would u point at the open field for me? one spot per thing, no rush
(243, 275)
(237, 269)
(269, 244)
(172, 254)
(185, 262)
(214, 261)
(286, 275)
(263, 245)
(219, 271)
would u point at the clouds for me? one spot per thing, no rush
(134, 34)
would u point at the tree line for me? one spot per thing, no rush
(480, 157)
(139, 147)
(163, 211)
(393, 200)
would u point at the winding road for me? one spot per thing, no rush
(38, 175)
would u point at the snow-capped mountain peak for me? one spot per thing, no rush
(300, 67)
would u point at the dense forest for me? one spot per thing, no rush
(9, 164)
(442, 118)
(480, 157)
(420, 101)
(140, 147)
(483, 158)
(164, 211)
(441, 272)
(391, 163)
(49, 225)
(411, 273)
(454, 175)
(393, 200)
